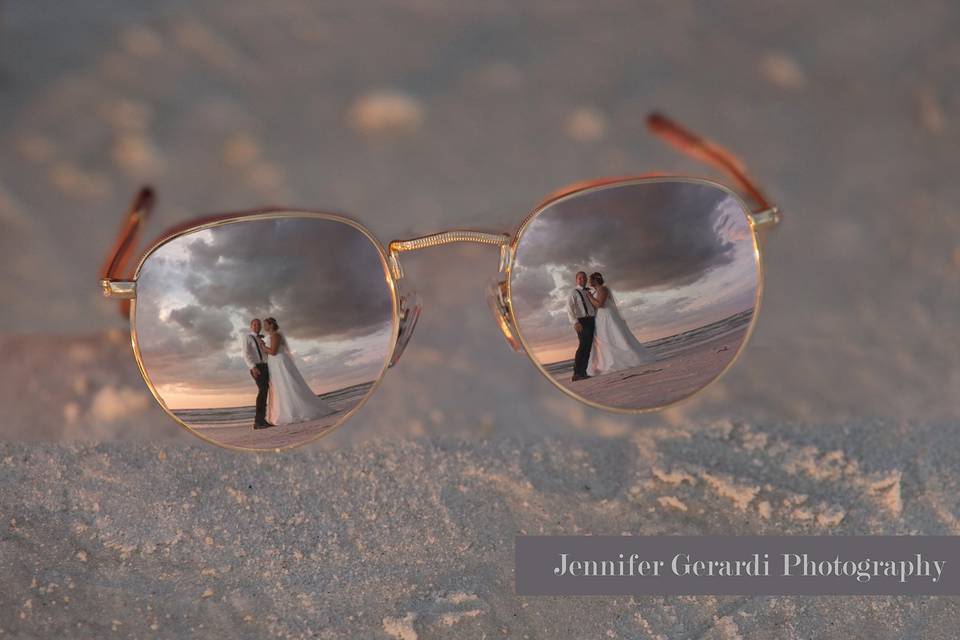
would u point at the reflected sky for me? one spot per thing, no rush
(322, 280)
(677, 256)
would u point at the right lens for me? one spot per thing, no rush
(678, 264)
(321, 295)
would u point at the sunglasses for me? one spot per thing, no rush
(267, 329)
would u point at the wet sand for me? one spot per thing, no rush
(276, 437)
(677, 375)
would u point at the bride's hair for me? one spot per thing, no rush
(597, 277)
(273, 323)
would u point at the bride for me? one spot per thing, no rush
(291, 400)
(615, 348)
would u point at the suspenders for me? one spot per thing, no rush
(583, 300)
(256, 343)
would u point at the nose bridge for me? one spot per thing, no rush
(496, 292)
(397, 247)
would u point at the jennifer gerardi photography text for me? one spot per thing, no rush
(786, 565)
(769, 565)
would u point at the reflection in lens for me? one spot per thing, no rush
(314, 289)
(636, 295)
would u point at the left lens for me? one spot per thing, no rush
(635, 295)
(315, 288)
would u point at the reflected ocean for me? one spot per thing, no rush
(677, 343)
(340, 399)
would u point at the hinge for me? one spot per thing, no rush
(121, 289)
(766, 218)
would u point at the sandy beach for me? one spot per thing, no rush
(234, 427)
(413, 539)
(675, 376)
(276, 437)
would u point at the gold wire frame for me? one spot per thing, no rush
(758, 263)
(763, 215)
(271, 215)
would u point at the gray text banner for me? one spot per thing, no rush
(737, 565)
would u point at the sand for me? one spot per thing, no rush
(673, 377)
(275, 437)
(414, 539)
(372, 533)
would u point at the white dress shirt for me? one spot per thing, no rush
(249, 348)
(579, 307)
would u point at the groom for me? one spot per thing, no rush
(583, 317)
(257, 363)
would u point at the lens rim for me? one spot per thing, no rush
(621, 182)
(269, 214)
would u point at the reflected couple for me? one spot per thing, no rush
(670, 300)
(245, 380)
(605, 342)
(283, 396)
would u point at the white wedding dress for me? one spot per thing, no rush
(615, 348)
(290, 400)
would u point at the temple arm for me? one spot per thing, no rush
(762, 212)
(713, 154)
(115, 272)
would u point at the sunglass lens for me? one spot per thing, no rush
(636, 295)
(264, 333)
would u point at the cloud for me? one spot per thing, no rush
(650, 236)
(318, 278)
(208, 326)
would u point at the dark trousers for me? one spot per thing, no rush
(263, 387)
(582, 357)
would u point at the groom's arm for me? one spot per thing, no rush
(572, 312)
(247, 356)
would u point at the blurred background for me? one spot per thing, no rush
(422, 116)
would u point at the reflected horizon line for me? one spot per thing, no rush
(740, 318)
(327, 395)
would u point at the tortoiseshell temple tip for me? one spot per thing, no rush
(699, 148)
(144, 200)
(664, 126)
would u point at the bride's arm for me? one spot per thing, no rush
(601, 297)
(274, 347)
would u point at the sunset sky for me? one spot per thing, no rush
(322, 280)
(676, 258)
